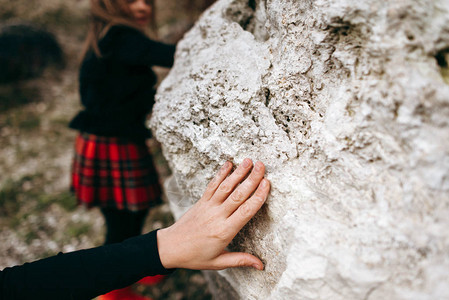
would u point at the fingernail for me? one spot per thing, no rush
(246, 162)
(258, 166)
(264, 183)
(225, 165)
(255, 266)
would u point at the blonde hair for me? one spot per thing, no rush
(104, 15)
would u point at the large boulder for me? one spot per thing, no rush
(347, 103)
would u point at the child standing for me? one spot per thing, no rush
(112, 168)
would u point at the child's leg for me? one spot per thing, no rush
(122, 224)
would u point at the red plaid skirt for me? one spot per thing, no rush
(114, 172)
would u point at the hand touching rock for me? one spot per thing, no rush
(198, 239)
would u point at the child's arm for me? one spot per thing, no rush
(132, 47)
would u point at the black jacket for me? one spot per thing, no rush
(117, 89)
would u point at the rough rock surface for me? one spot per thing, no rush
(347, 102)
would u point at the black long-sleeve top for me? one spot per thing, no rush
(84, 274)
(117, 89)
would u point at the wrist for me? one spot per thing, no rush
(165, 248)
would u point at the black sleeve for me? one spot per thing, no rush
(132, 47)
(84, 274)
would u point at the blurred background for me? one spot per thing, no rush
(38, 98)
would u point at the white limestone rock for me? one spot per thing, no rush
(347, 103)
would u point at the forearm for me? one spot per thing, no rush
(84, 274)
(196, 241)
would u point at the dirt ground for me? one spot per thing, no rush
(38, 215)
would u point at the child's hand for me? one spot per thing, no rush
(197, 240)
